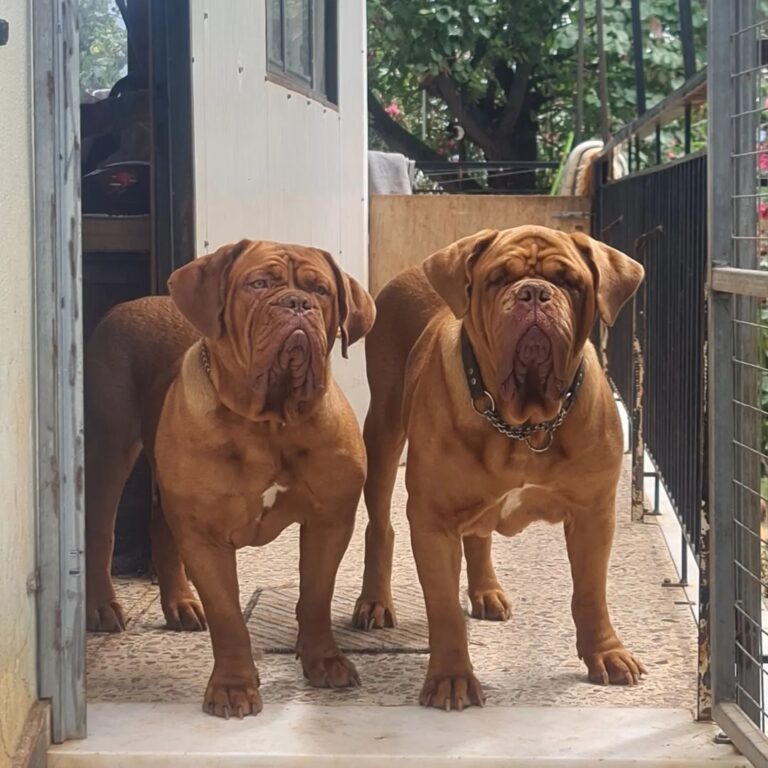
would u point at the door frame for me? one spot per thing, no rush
(60, 476)
(59, 345)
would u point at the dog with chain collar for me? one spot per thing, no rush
(482, 361)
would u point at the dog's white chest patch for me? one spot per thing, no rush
(269, 497)
(511, 503)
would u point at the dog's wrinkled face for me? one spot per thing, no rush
(271, 313)
(529, 297)
(533, 302)
(282, 303)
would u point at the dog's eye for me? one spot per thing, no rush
(321, 290)
(495, 279)
(567, 281)
(258, 284)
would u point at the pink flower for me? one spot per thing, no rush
(393, 110)
(763, 209)
(763, 164)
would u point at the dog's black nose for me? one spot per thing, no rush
(535, 294)
(295, 302)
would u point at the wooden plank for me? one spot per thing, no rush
(720, 350)
(741, 282)
(58, 298)
(405, 229)
(116, 234)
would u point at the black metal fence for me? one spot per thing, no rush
(655, 352)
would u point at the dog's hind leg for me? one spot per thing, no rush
(182, 610)
(384, 441)
(110, 453)
(485, 593)
(384, 438)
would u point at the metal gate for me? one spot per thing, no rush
(738, 376)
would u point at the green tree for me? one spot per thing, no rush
(103, 45)
(505, 71)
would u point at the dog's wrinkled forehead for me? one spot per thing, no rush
(264, 253)
(528, 246)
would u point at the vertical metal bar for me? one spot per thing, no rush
(60, 474)
(683, 559)
(579, 131)
(637, 48)
(658, 144)
(686, 38)
(173, 182)
(603, 73)
(638, 341)
(720, 354)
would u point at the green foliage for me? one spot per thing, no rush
(103, 45)
(662, 57)
(411, 40)
(475, 42)
(481, 44)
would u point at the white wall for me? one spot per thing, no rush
(273, 164)
(17, 518)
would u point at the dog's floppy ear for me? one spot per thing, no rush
(199, 288)
(615, 275)
(356, 307)
(450, 270)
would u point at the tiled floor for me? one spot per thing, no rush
(530, 660)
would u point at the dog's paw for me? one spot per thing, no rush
(615, 667)
(457, 691)
(490, 604)
(184, 615)
(330, 670)
(107, 617)
(232, 695)
(374, 614)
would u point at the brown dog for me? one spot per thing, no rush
(243, 428)
(482, 361)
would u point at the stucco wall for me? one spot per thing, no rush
(17, 527)
(273, 164)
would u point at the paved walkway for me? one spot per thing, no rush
(530, 660)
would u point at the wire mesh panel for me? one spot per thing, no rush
(738, 364)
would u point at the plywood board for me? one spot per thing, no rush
(405, 229)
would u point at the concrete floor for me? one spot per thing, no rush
(528, 661)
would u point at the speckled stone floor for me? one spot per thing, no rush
(530, 660)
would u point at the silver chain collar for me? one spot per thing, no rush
(205, 359)
(525, 431)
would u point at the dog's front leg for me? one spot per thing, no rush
(182, 610)
(589, 535)
(450, 682)
(323, 541)
(234, 683)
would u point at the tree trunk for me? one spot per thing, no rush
(521, 145)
